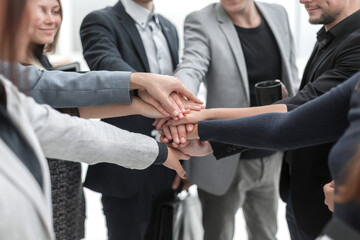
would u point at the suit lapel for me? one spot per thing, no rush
(274, 27)
(310, 76)
(228, 28)
(306, 70)
(128, 24)
(171, 39)
(22, 179)
(18, 172)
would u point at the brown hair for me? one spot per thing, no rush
(50, 48)
(349, 189)
(11, 20)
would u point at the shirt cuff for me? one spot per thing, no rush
(163, 154)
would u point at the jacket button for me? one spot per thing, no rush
(228, 149)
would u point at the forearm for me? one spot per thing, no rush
(68, 89)
(230, 113)
(308, 125)
(93, 142)
(119, 110)
(107, 111)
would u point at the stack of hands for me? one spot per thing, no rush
(177, 112)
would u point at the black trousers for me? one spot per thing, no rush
(132, 218)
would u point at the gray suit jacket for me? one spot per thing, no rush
(25, 208)
(213, 55)
(69, 89)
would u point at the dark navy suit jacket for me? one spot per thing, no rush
(112, 42)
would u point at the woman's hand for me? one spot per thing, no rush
(193, 117)
(172, 161)
(161, 89)
(146, 109)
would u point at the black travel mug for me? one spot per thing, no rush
(267, 92)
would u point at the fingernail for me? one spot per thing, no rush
(175, 113)
(182, 140)
(180, 116)
(177, 140)
(185, 176)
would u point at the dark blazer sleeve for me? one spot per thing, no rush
(308, 125)
(345, 64)
(99, 44)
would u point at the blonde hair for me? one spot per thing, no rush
(51, 47)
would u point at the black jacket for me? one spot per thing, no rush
(112, 42)
(309, 171)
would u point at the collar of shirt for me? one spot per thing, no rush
(139, 14)
(347, 25)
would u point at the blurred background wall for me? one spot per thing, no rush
(176, 11)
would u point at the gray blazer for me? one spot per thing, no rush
(68, 89)
(213, 55)
(26, 209)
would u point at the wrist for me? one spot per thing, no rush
(136, 106)
(137, 81)
(209, 114)
(163, 154)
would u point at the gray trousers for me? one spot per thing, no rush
(255, 190)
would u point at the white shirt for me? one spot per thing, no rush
(155, 44)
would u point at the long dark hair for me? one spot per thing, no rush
(12, 19)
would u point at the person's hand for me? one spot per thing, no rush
(160, 87)
(284, 91)
(166, 137)
(177, 181)
(193, 117)
(147, 110)
(172, 161)
(329, 192)
(197, 148)
(146, 97)
(176, 135)
(191, 105)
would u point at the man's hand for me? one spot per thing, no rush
(161, 88)
(284, 91)
(172, 161)
(329, 192)
(177, 181)
(197, 148)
